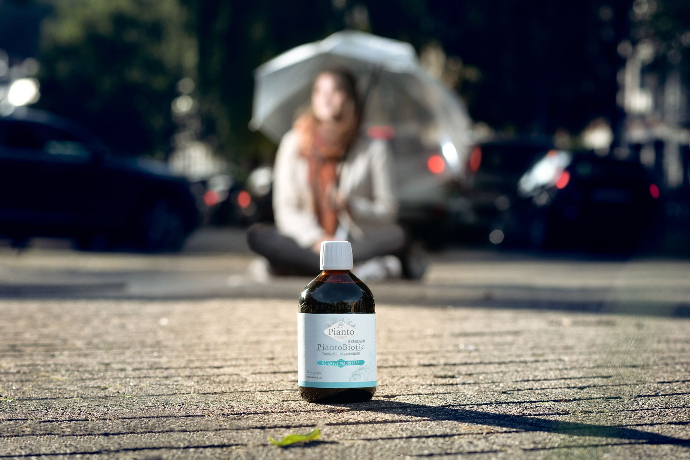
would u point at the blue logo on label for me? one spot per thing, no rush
(341, 363)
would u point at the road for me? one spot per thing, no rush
(214, 265)
(492, 355)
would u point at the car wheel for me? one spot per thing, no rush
(161, 227)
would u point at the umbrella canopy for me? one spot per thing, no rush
(399, 92)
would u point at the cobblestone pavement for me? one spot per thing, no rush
(216, 378)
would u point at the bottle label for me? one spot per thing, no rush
(336, 351)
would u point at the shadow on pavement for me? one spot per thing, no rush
(517, 422)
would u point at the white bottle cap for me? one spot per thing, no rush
(336, 255)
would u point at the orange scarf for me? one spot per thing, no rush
(324, 149)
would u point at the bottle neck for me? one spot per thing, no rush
(335, 272)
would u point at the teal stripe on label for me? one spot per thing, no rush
(337, 384)
(341, 363)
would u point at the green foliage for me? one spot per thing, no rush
(544, 65)
(667, 26)
(113, 66)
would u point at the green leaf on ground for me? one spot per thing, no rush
(296, 438)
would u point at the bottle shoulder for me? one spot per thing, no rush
(336, 293)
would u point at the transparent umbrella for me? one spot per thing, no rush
(399, 93)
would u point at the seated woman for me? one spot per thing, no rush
(331, 182)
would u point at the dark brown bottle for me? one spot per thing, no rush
(337, 332)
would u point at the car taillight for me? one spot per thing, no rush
(475, 159)
(211, 198)
(563, 180)
(436, 164)
(654, 191)
(244, 199)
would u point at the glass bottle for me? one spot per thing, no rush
(336, 332)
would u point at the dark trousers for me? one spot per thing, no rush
(288, 258)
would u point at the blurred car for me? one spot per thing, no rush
(58, 180)
(490, 187)
(216, 198)
(429, 171)
(581, 201)
(254, 202)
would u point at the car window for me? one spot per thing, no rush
(66, 148)
(58, 142)
(40, 138)
(608, 170)
(509, 158)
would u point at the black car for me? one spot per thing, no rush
(58, 180)
(581, 201)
